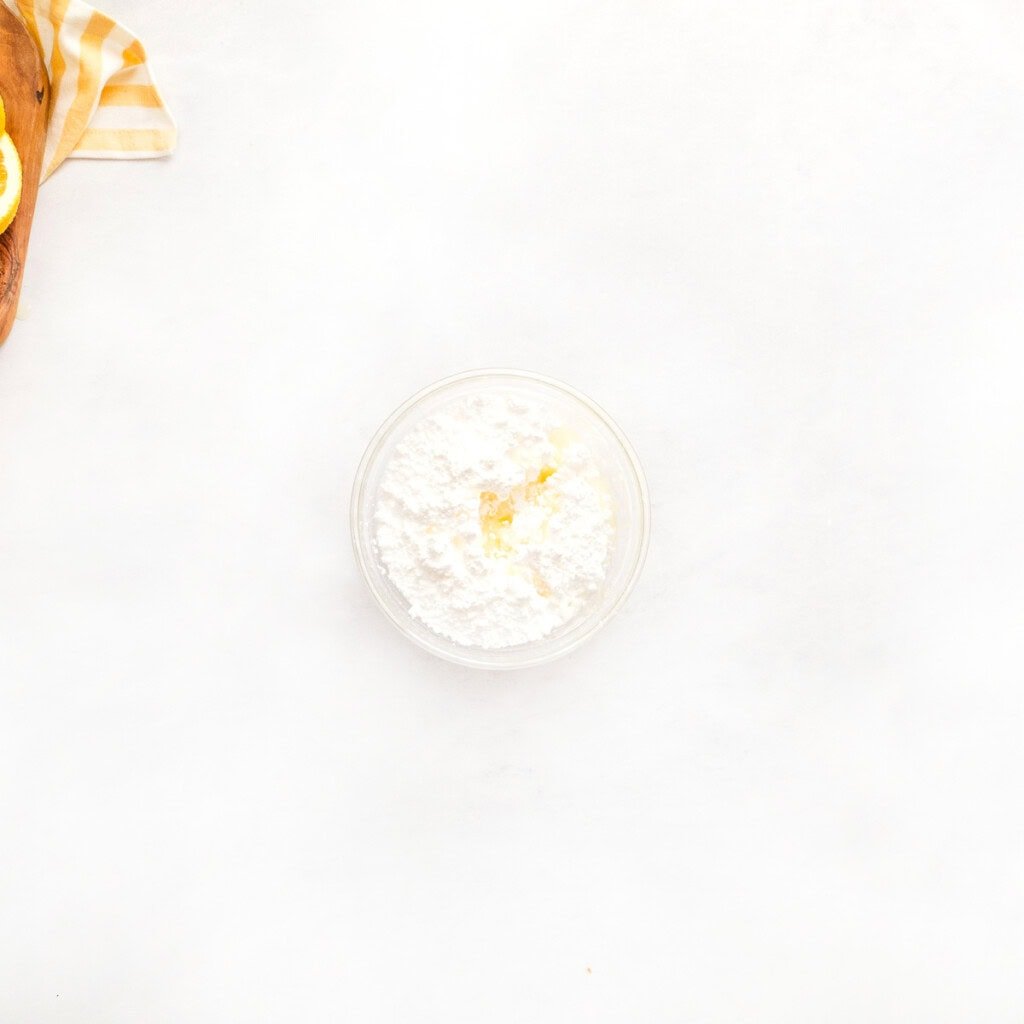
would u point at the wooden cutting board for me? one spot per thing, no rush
(25, 90)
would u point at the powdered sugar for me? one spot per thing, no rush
(494, 521)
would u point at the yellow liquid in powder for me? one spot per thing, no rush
(497, 513)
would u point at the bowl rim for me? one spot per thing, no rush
(467, 655)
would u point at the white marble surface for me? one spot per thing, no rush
(781, 243)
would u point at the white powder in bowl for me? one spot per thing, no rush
(494, 522)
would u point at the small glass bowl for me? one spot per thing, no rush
(626, 484)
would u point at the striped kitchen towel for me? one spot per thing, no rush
(103, 100)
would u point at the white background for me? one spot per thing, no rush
(782, 243)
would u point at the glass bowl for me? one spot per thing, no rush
(626, 483)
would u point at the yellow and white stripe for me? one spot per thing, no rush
(104, 103)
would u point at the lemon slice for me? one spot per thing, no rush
(10, 181)
(3, 117)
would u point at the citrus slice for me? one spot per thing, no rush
(10, 181)
(3, 117)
